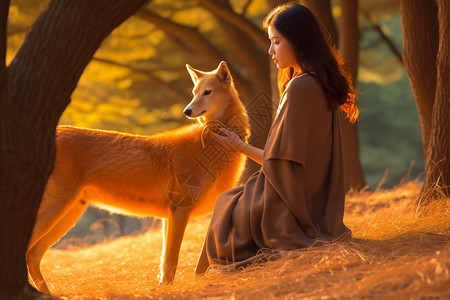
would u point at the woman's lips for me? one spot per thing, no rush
(275, 60)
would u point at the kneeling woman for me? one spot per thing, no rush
(297, 197)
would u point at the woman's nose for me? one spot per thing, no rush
(270, 51)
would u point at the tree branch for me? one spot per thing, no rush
(384, 37)
(184, 36)
(13, 30)
(196, 40)
(246, 5)
(152, 78)
(256, 61)
(227, 14)
(181, 45)
(71, 31)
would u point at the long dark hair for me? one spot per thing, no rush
(315, 56)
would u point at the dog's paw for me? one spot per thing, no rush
(166, 278)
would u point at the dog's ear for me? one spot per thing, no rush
(223, 73)
(195, 74)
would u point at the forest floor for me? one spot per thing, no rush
(398, 252)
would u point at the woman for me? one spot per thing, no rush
(297, 198)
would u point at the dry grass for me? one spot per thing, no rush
(395, 253)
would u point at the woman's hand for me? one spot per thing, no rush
(229, 140)
(232, 142)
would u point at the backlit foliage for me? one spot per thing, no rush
(123, 89)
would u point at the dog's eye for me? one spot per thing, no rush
(207, 92)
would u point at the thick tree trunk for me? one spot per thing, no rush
(437, 169)
(420, 45)
(349, 48)
(39, 82)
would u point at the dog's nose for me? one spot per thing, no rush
(188, 112)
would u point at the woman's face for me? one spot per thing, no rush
(281, 50)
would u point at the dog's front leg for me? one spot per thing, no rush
(173, 231)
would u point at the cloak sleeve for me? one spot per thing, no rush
(300, 137)
(299, 118)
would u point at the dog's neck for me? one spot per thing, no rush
(237, 123)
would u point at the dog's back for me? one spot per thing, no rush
(129, 173)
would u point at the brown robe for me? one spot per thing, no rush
(297, 197)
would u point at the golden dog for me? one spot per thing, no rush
(174, 175)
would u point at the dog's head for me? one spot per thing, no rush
(213, 91)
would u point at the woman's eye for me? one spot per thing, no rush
(207, 92)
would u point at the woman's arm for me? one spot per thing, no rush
(254, 153)
(233, 142)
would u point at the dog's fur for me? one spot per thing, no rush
(141, 175)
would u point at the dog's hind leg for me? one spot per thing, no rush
(57, 201)
(173, 231)
(37, 251)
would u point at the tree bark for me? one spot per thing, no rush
(349, 48)
(420, 44)
(437, 169)
(39, 82)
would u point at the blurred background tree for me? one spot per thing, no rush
(137, 81)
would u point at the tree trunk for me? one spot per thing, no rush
(349, 48)
(437, 169)
(420, 44)
(39, 82)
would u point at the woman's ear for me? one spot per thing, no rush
(223, 73)
(195, 74)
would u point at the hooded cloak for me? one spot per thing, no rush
(297, 197)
